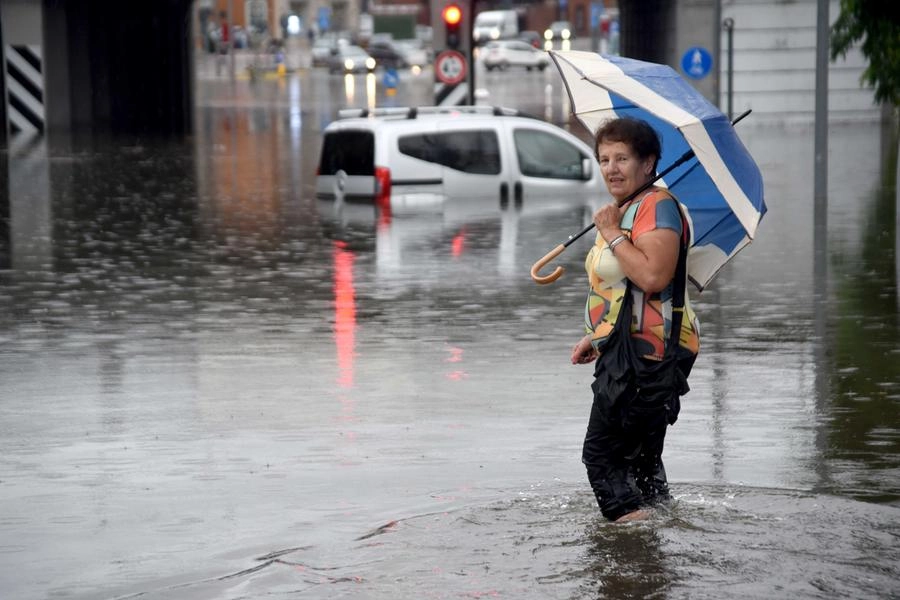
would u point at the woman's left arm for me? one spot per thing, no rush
(649, 260)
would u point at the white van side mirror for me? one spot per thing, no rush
(587, 168)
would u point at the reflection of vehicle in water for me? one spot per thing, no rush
(409, 159)
(462, 240)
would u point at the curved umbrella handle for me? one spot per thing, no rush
(556, 274)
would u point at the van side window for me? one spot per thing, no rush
(350, 150)
(541, 154)
(476, 151)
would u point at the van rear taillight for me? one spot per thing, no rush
(383, 187)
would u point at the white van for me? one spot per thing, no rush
(493, 25)
(409, 160)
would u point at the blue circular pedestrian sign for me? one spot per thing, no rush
(696, 62)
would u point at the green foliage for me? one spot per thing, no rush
(877, 24)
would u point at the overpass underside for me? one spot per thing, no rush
(99, 66)
(126, 66)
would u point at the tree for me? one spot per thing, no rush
(877, 24)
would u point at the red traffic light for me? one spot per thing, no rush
(452, 14)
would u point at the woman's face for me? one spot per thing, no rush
(622, 170)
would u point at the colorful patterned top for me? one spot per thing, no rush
(651, 313)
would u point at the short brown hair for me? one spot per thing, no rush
(636, 133)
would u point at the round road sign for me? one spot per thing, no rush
(450, 67)
(696, 62)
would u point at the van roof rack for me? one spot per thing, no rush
(411, 112)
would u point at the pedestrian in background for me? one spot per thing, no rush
(641, 332)
(224, 42)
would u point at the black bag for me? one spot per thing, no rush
(644, 394)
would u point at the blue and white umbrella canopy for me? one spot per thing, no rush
(721, 190)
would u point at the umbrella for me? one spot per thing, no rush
(721, 191)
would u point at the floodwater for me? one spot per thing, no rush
(212, 387)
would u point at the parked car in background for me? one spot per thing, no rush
(415, 159)
(349, 58)
(513, 53)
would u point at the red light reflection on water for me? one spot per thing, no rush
(344, 313)
(456, 356)
(458, 244)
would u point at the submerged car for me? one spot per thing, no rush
(514, 53)
(415, 159)
(350, 59)
(559, 30)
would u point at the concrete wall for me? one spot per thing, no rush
(21, 22)
(107, 65)
(775, 64)
(774, 54)
(662, 31)
(697, 23)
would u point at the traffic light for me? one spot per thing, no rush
(452, 16)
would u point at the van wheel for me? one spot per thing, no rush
(542, 66)
(527, 68)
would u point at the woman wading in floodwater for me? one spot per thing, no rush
(636, 270)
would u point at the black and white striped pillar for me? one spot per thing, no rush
(23, 68)
(24, 78)
(451, 94)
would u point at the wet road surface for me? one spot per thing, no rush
(213, 387)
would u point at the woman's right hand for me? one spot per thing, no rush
(607, 219)
(583, 352)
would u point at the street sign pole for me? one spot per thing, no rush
(820, 162)
(454, 61)
(469, 46)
